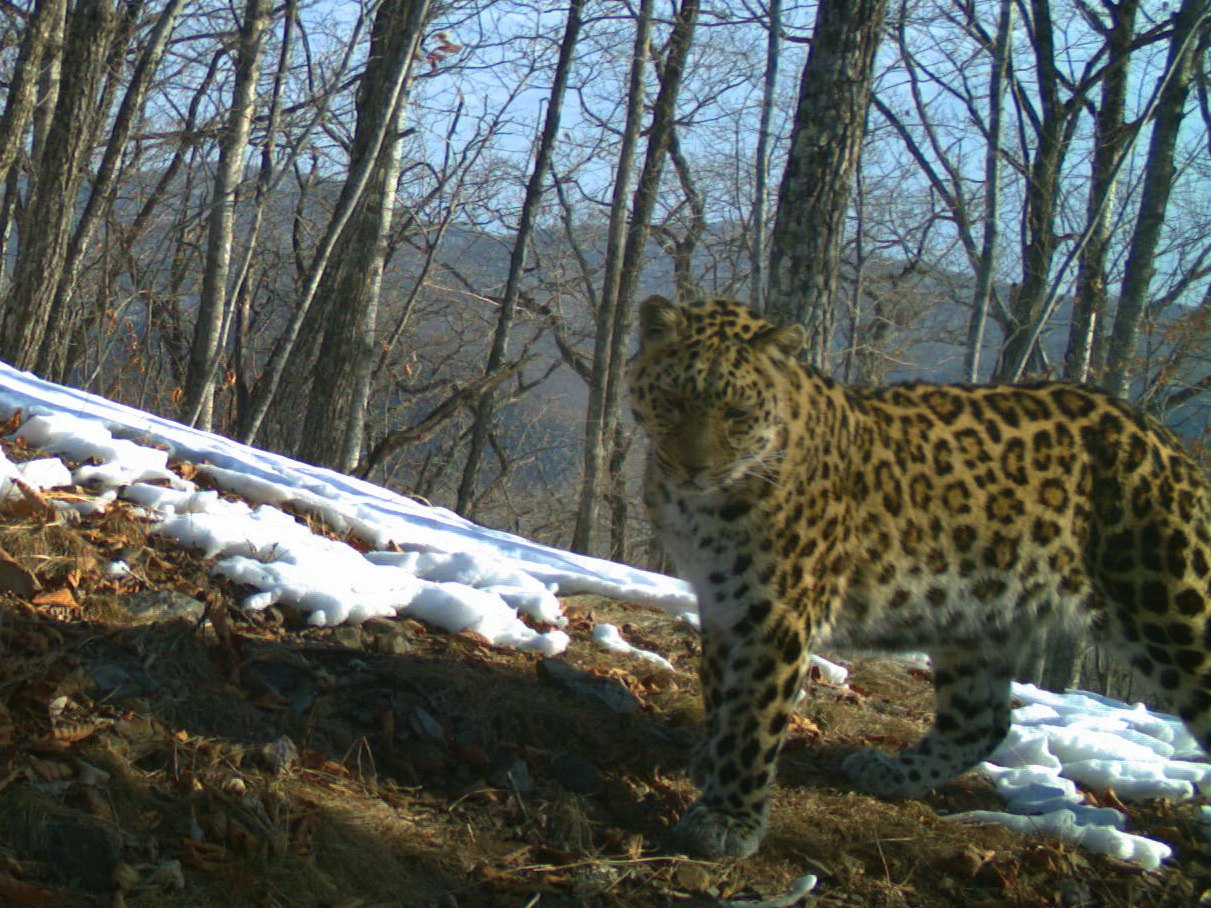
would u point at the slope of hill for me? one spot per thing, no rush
(163, 744)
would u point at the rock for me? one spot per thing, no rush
(281, 754)
(391, 638)
(152, 606)
(425, 727)
(512, 774)
(282, 680)
(692, 877)
(349, 635)
(78, 854)
(115, 682)
(168, 875)
(577, 774)
(602, 691)
(1078, 894)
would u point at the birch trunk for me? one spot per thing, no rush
(212, 303)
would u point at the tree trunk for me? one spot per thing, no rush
(240, 307)
(826, 140)
(47, 222)
(773, 46)
(212, 303)
(596, 439)
(1190, 36)
(1110, 139)
(992, 194)
(486, 405)
(55, 357)
(289, 353)
(611, 349)
(1042, 191)
(348, 296)
(41, 31)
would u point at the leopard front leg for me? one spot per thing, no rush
(971, 719)
(750, 683)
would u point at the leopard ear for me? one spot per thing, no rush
(789, 340)
(660, 322)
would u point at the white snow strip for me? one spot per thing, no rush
(1065, 825)
(378, 515)
(798, 891)
(830, 671)
(608, 636)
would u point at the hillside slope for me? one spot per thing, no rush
(161, 747)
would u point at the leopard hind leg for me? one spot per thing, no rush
(1154, 578)
(971, 719)
(1171, 648)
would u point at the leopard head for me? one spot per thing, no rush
(708, 387)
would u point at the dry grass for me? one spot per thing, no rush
(440, 770)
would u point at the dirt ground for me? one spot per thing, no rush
(159, 747)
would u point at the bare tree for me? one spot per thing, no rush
(212, 303)
(596, 437)
(773, 44)
(348, 297)
(1191, 34)
(614, 315)
(56, 358)
(986, 269)
(46, 225)
(517, 260)
(43, 29)
(1111, 137)
(830, 121)
(373, 156)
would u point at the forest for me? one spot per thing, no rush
(405, 238)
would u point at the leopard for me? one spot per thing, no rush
(958, 520)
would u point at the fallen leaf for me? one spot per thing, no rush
(13, 423)
(61, 597)
(31, 504)
(70, 732)
(16, 579)
(14, 891)
(50, 770)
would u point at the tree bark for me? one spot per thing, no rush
(609, 355)
(204, 352)
(348, 296)
(595, 438)
(826, 141)
(1111, 137)
(1190, 36)
(773, 46)
(47, 222)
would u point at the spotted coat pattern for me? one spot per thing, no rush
(954, 519)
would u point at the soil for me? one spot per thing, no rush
(161, 747)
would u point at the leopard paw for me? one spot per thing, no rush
(885, 776)
(708, 833)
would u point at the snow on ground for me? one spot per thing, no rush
(431, 564)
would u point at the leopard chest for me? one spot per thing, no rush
(713, 542)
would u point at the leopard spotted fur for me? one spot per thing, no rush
(959, 520)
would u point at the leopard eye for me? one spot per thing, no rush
(737, 413)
